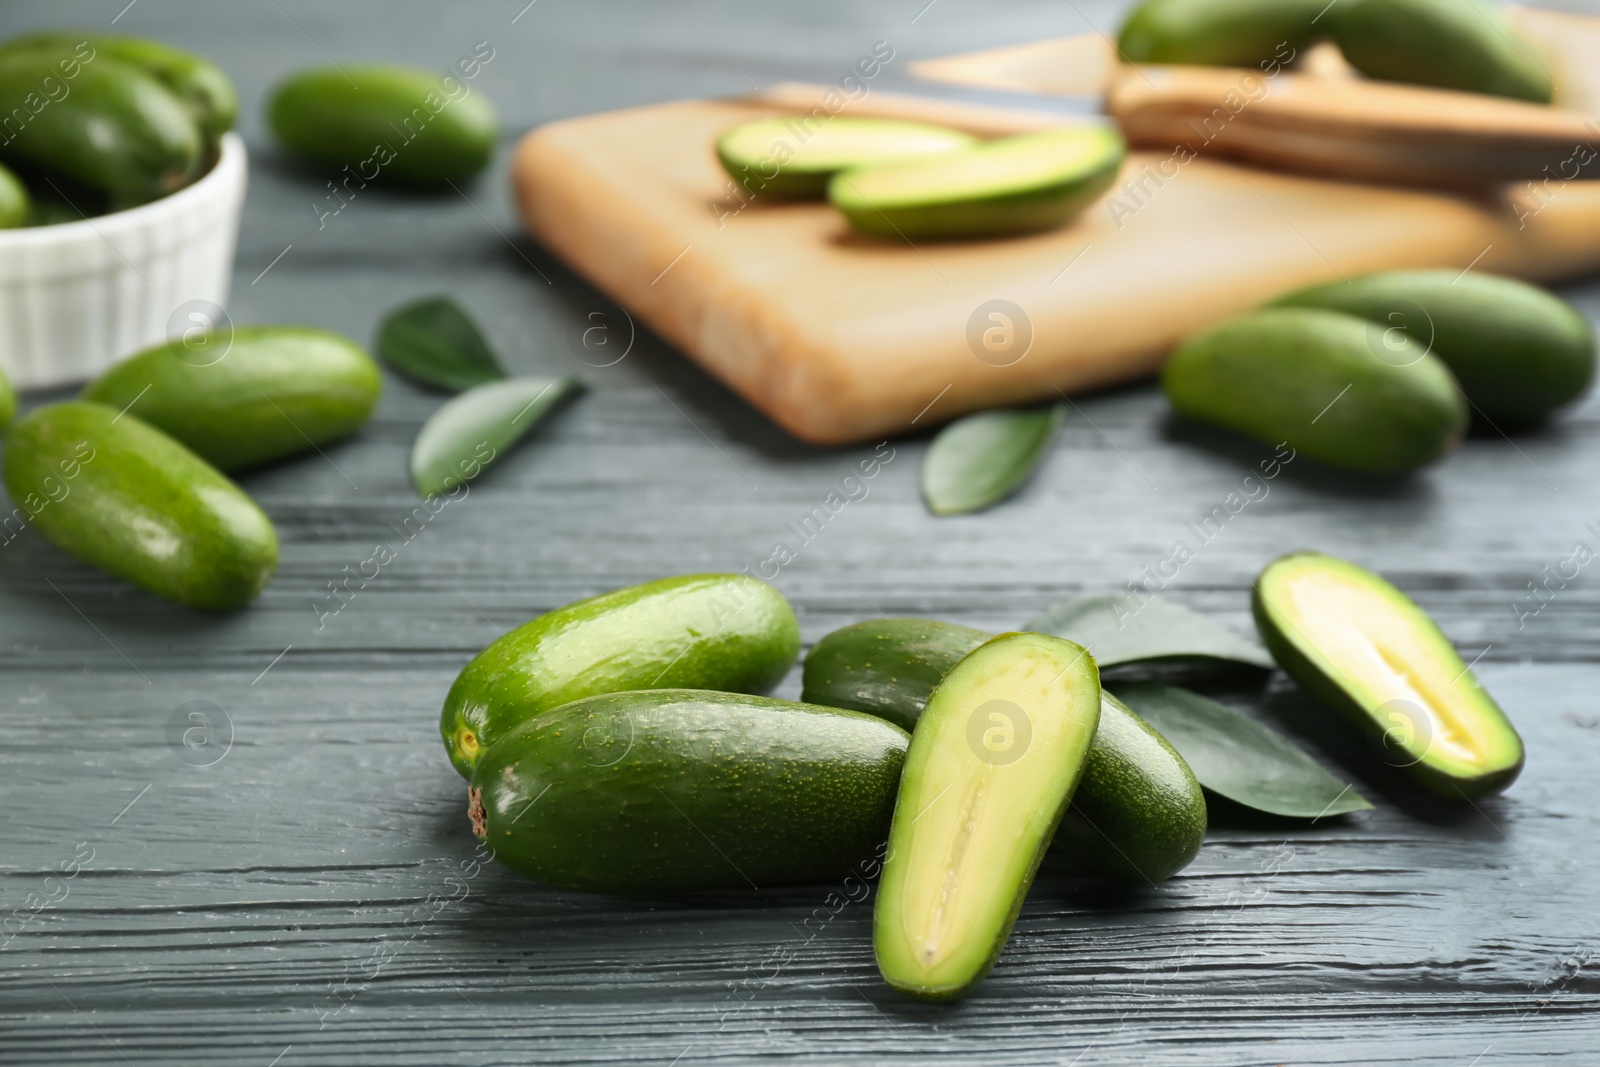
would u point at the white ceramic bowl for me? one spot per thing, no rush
(78, 296)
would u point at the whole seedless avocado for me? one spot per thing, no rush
(1367, 651)
(410, 124)
(1223, 33)
(1344, 391)
(1453, 44)
(107, 124)
(201, 85)
(1517, 351)
(672, 790)
(1138, 814)
(248, 395)
(994, 188)
(992, 765)
(726, 632)
(130, 500)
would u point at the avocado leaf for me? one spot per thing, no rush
(472, 430)
(1120, 628)
(433, 342)
(1237, 757)
(980, 460)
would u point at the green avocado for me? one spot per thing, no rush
(15, 204)
(726, 632)
(1221, 33)
(1138, 813)
(1517, 351)
(398, 121)
(248, 395)
(130, 500)
(1453, 44)
(201, 85)
(671, 790)
(793, 157)
(1364, 649)
(8, 401)
(107, 125)
(1013, 185)
(992, 766)
(1343, 391)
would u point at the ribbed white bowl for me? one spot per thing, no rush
(78, 296)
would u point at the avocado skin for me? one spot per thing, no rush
(725, 632)
(1452, 44)
(200, 84)
(277, 391)
(8, 401)
(320, 116)
(1517, 351)
(1314, 379)
(1223, 33)
(1324, 689)
(14, 201)
(1138, 813)
(674, 790)
(130, 500)
(117, 129)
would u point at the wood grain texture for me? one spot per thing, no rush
(303, 900)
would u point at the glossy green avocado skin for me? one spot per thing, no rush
(383, 119)
(1224, 33)
(1518, 351)
(725, 632)
(132, 501)
(201, 85)
(1334, 387)
(1138, 813)
(675, 790)
(249, 396)
(114, 128)
(1469, 45)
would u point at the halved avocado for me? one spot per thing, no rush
(1013, 185)
(793, 157)
(1362, 647)
(993, 763)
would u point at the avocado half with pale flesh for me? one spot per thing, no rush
(1013, 185)
(1362, 647)
(793, 157)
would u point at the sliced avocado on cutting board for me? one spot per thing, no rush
(671, 790)
(795, 156)
(1367, 651)
(1009, 186)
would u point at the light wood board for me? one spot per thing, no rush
(841, 338)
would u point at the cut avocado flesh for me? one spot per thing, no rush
(1360, 645)
(1014, 185)
(993, 763)
(794, 157)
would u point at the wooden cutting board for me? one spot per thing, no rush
(842, 338)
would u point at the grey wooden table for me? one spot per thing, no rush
(309, 894)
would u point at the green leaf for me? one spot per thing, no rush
(984, 458)
(1122, 628)
(1238, 758)
(433, 342)
(474, 429)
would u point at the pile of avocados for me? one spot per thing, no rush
(622, 744)
(94, 123)
(1466, 45)
(1382, 374)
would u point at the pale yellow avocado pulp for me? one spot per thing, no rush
(1381, 648)
(802, 145)
(1016, 164)
(993, 760)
